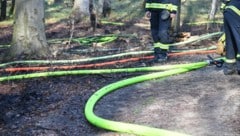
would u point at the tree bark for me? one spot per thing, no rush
(93, 14)
(80, 10)
(212, 13)
(87, 8)
(3, 9)
(178, 21)
(106, 8)
(12, 8)
(29, 39)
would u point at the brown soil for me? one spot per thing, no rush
(201, 103)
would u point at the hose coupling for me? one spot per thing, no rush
(217, 63)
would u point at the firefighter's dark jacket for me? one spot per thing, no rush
(156, 5)
(235, 3)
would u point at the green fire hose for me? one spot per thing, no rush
(100, 71)
(203, 37)
(74, 61)
(133, 128)
(114, 125)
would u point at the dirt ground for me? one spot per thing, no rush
(200, 103)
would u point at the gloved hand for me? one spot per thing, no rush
(221, 45)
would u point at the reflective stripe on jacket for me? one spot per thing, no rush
(155, 5)
(233, 8)
(234, 5)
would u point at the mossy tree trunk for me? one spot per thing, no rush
(29, 39)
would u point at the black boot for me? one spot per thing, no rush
(160, 55)
(229, 68)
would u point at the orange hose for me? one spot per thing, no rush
(192, 52)
(101, 64)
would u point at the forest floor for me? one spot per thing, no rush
(204, 102)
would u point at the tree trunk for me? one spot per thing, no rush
(213, 9)
(178, 21)
(29, 39)
(12, 8)
(3, 9)
(212, 13)
(106, 8)
(93, 14)
(87, 8)
(80, 10)
(95, 9)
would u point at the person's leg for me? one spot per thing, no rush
(154, 23)
(235, 37)
(163, 31)
(161, 47)
(237, 41)
(229, 22)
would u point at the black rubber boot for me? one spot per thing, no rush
(160, 55)
(229, 68)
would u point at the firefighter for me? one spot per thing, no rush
(231, 16)
(161, 13)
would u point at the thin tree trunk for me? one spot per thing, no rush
(93, 14)
(213, 9)
(212, 12)
(178, 21)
